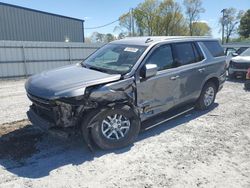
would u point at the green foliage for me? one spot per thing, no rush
(244, 28)
(193, 10)
(201, 29)
(155, 17)
(231, 21)
(103, 38)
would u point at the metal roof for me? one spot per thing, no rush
(146, 41)
(43, 12)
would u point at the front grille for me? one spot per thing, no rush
(43, 107)
(240, 65)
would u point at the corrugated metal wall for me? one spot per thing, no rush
(19, 58)
(21, 24)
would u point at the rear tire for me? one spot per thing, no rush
(207, 96)
(115, 128)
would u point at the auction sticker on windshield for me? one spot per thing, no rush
(128, 49)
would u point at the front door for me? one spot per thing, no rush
(158, 93)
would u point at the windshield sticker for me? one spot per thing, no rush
(128, 49)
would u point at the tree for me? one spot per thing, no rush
(154, 17)
(244, 28)
(124, 22)
(109, 37)
(121, 36)
(201, 29)
(193, 10)
(230, 20)
(147, 17)
(100, 37)
(87, 40)
(97, 37)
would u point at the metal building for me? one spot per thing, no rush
(24, 24)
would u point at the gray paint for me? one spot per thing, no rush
(171, 87)
(170, 92)
(68, 81)
(22, 24)
(147, 97)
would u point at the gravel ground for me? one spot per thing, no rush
(13, 101)
(199, 149)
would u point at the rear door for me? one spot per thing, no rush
(192, 70)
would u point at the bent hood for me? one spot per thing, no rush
(68, 81)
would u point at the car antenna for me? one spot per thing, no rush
(148, 40)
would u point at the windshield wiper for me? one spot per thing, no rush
(83, 65)
(98, 69)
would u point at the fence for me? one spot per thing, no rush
(23, 58)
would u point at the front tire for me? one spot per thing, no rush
(115, 128)
(207, 96)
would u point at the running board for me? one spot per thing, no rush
(164, 117)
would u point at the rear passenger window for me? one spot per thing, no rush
(214, 48)
(162, 57)
(185, 54)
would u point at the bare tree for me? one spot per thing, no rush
(193, 10)
(231, 20)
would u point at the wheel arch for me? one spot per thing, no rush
(87, 119)
(214, 80)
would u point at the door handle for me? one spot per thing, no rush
(201, 70)
(174, 77)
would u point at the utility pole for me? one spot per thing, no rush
(132, 28)
(223, 25)
(133, 23)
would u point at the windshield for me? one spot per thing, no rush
(115, 58)
(246, 52)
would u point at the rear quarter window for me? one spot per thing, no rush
(214, 48)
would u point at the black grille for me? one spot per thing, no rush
(43, 107)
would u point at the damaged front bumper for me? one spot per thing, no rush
(37, 120)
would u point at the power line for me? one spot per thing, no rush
(102, 25)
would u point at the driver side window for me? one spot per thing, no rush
(162, 57)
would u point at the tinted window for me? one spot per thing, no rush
(214, 48)
(184, 53)
(162, 57)
(198, 53)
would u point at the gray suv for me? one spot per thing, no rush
(109, 95)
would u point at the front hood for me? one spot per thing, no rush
(68, 81)
(241, 59)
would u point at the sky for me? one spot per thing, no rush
(100, 12)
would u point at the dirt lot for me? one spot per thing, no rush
(199, 149)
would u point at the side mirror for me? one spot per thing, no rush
(149, 70)
(234, 54)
